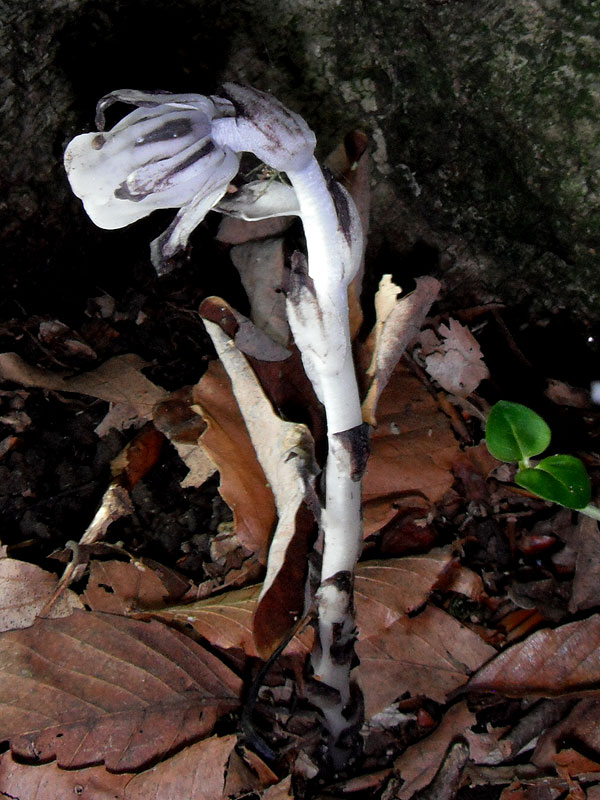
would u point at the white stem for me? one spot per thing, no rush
(331, 267)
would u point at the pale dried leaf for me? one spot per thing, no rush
(431, 654)
(281, 791)
(199, 463)
(264, 275)
(94, 688)
(24, 591)
(548, 663)
(118, 380)
(457, 363)
(398, 323)
(285, 452)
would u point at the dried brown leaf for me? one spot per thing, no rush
(281, 791)
(207, 770)
(244, 486)
(412, 451)
(99, 687)
(118, 380)
(386, 590)
(226, 620)
(431, 654)
(580, 724)
(24, 591)
(456, 363)
(285, 452)
(419, 763)
(585, 540)
(199, 772)
(548, 663)
(118, 587)
(398, 323)
(50, 782)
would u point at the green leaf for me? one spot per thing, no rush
(562, 479)
(515, 432)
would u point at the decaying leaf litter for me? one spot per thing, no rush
(475, 603)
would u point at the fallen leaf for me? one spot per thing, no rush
(573, 763)
(118, 587)
(181, 422)
(430, 654)
(98, 687)
(419, 763)
(24, 591)
(398, 323)
(264, 275)
(585, 540)
(285, 452)
(199, 772)
(226, 621)
(137, 458)
(281, 791)
(548, 663)
(456, 362)
(386, 590)
(118, 380)
(579, 725)
(243, 485)
(50, 782)
(412, 452)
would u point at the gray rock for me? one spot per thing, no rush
(484, 118)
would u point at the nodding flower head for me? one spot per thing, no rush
(159, 156)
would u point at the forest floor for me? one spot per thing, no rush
(479, 637)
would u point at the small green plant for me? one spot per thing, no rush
(515, 433)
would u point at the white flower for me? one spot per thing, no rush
(159, 156)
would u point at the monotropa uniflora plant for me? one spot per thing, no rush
(181, 151)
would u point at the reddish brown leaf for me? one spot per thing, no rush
(244, 486)
(98, 687)
(419, 763)
(24, 591)
(386, 590)
(199, 772)
(50, 782)
(547, 663)
(413, 449)
(285, 452)
(580, 725)
(117, 587)
(225, 620)
(431, 654)
(135, 460)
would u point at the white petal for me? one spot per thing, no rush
(191, 215)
